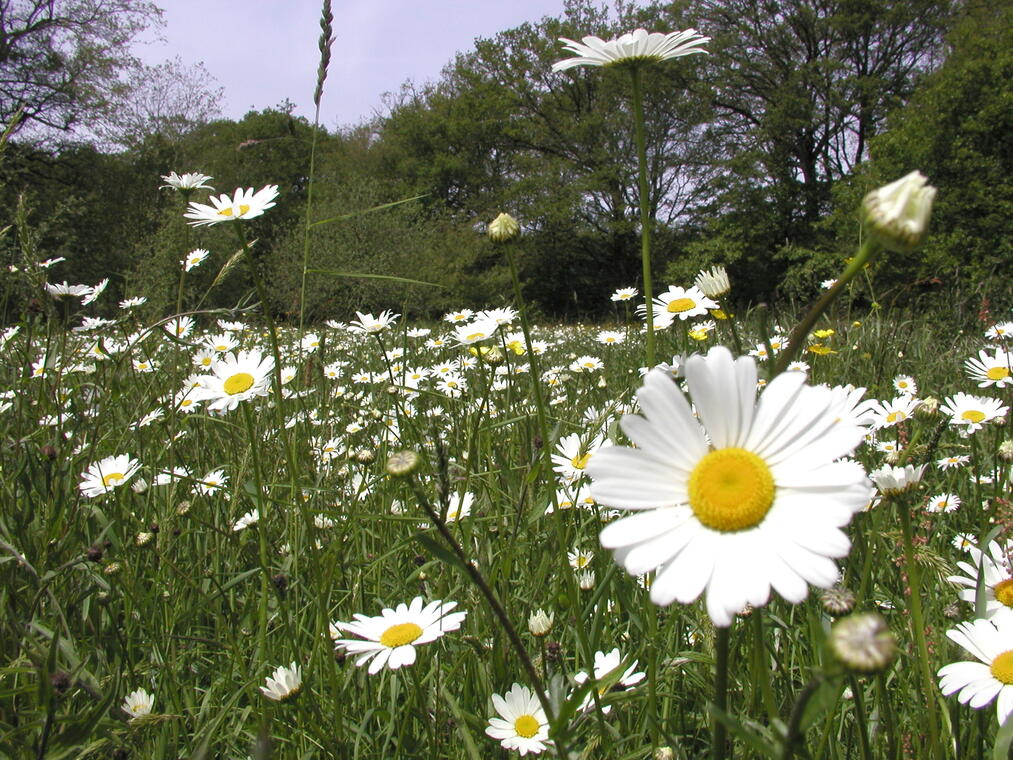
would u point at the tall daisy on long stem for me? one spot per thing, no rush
(634, 51)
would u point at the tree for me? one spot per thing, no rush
(61, 60)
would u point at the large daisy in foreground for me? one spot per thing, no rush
(750, 497)
(979, 683)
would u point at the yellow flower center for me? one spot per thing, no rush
(239, 382)
(896, 417)
(731, 489)
(476, 336)
(1002, 667)
(112, 479)
(580, 461)
(973, 415)
(997, 373)
(681, 304)
(400, 634)
(526, 726)
(1004, 592)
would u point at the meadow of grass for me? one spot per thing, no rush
(252, 519)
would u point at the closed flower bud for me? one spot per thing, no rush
(863, 642)
(402, 463)
(1006, 450)
(540, 624)
(504, 227)
(838, 600)
(898, 214)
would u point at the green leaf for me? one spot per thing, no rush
(439, 551)
(365, 211)
(734, 725)
(366, 276)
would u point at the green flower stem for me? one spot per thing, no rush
(645, 207)
(265, 575)
(927, 686)
(863, 730)
(721, 643)
(794, 736)
(866, 253)
(761, 669)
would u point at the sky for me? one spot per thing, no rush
(263, 51)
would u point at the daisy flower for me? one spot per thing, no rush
(283, 684)
(212, 483)
(991, 369)
(521, 724)
(633, 47)
(235, 378)
(979, 683)
(138, 703)
(244, 204)
(610, 337)
(580, 558)
(572, 457)
(64, 289)
(367, 323)
(473, 332)
(625, 294)
(390, 639)
(1002, 331)
(250, 518)
(713, 283)
(972, 412)
(943, 502)
(891, 480)
(951, 462)
(194, 259)
(456, 317)
(751, 497)
(103, 476)
(189, 181)
(889, 413)
(682, 303)
(905, 385)
(994, 564)
(604, 666)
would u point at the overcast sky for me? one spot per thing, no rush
(263, 51)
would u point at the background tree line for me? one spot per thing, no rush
(759, 153)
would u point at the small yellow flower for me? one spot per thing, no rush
(820, 349)
(821, 334)
(719, 314)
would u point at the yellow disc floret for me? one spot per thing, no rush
(400, 634)
(997, 373)
(112, 479)
(580, 461)
(677, 305)
(1002, 667)
(526, 726)
(237, 383)
(1003, 591)
(731, 489)
(973, 415)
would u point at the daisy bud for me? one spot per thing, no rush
(113, 568)
(364, 456)
(664, 753)
(863, 642)
(894, 480)
(928, 406)
(1006, 450)
(402, 463)
(838, 600)
(540, 624)
(144, 538)
(504, 227)
(714, 283)
(897, 214)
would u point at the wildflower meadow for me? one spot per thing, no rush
(700, 527)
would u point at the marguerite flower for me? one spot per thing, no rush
(367, 323)
(138, 703)
(390, 639)
(749, 498)
(625, 294)
(604, 665)
(189, 181)
(244, 204)
(634, 47)
(972, 412)
(284, 684)
(995, 565)
(991, 369)
(194, 259)
(235, 378)
(979, 683)
(106, 474)
(521, 724)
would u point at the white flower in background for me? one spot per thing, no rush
(189, 181)
(521, 724)
(244, 204)
(639, 46)
(604, 666)
(194, 259)
(108, 474)
(367, 323)
(138, 703)
(283, 684)
(892, 480)
(994, 564)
